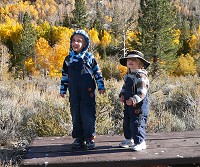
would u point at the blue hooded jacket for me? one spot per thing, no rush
(87, 57)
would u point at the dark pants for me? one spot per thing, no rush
(82, 101)
(135, 118)
(134, 125)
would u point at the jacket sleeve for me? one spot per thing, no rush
(123, 87)
(142, 85)
(97, 75)
(65, 79)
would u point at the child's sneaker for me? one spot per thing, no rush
(127, 143)
(139, 147)
(90, 144)
(78, 142)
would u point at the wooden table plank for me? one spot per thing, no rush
(162, 149)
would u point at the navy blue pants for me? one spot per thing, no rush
(135, 118)
(134, 124)
(82, 100)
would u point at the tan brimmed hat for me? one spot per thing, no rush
(134, 54)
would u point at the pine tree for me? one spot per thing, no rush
(98, 23)
(187, 23)
(183, 25)
(156, 24)
(80, 17)
(67, 22)
(25, 47)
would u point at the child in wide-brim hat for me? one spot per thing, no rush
(134, 95)
(134, 54)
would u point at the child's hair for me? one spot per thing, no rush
(141, 64)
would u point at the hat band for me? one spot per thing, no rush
(133, 55)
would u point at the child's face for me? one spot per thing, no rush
(134, 64)
(78, 43)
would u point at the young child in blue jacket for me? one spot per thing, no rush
(134, 95)
(80, 75)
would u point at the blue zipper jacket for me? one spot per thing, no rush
(88, 58)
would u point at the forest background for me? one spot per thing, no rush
(34, 40)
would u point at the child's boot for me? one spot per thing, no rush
(78, 142)
(90, 144)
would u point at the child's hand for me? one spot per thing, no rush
(122, 98)
(129, 102)
(101, 92)
(62, 95)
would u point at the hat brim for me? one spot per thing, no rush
(123, 61)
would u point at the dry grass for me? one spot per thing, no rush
(30, 108)
(175, 104)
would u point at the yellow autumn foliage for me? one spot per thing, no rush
(59, 52)
(33, 12)
(122, 70)
(43, 52)
(43, 30)
(52, 10)
(106, 39)
(130, 37)
(177, 34)
(42, 46)
(10, 30)
(15, 10)
(51, 58)
(46, 8)
(93, 34)
(108, 18)
(193, 41)
(60, 32)
(185, 65)
(53, 72)
(29, 64)
(40, 10)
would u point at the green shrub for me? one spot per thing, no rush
(110, 69)
(51, 119)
